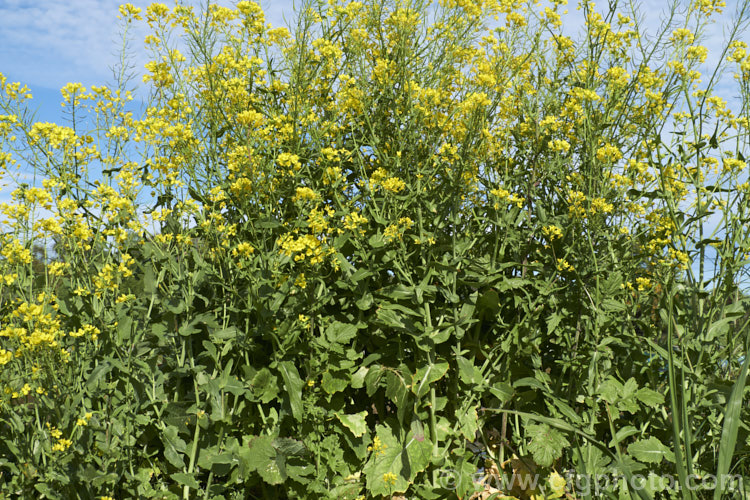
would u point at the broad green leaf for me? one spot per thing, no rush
(293, 384)
(650, 450)
(502, 391)
(174, 447)
(225, 333)
(612, 305)
(354, 422)
(390, 318)
(403, 460)
(622, 434)
(655, 483)
(334, 382)
(289, 447)
(649, 397)
(265, 385)
(610, 390)
(341, 333)
(97, 374)
(365, 302)
(257, 452)
(552, 321)
(547, 444)
(468, 373)
(427, 375)
(468, 422)
(186, 480)
(124, 328)
(358, 378)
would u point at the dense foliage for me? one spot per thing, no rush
(401, 249)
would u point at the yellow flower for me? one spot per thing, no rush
(563, 265)
(643, 284)
(377, 447)
(5, 357)
(389, 478)
(394, 231)
(557, 484)
(62, 444)
(130, 12)
(243, 249)
(304, 194)
(353, 221)
(393, 184)
(608, 153)
(559, 145)
(552, 232)
(301, 281)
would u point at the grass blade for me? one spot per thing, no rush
(731, 426)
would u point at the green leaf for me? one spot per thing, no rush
(622, 434)
(390, 318)
(213, 458)
(289, 447)
(732, 416)
(612, 305)
(354, 422)
(124, 328)
(655, 483)
(186, 480)
(259, 454)
(650, 451)
(467, 372)
(293, 384)
(265, 385)
(334, 382)
(610, 390)
(552, 322)
(341, 333)
(225, 333)
(97, 374)
(468, 422)
(358, 379)
(502, 391)
(427, 375)
(547, 444)
(365, 302)
(649, 397)
(389, 456)
(257, 451)
(174, 447)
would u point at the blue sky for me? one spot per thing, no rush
(48, 43)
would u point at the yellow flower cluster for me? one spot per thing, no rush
(377, 447)
(381, 178)
(503, 194)
(564, 265)
(354, 221)
(304, 194)
(389, 478)
(302, 248)
(552, 233)
(396, 230)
